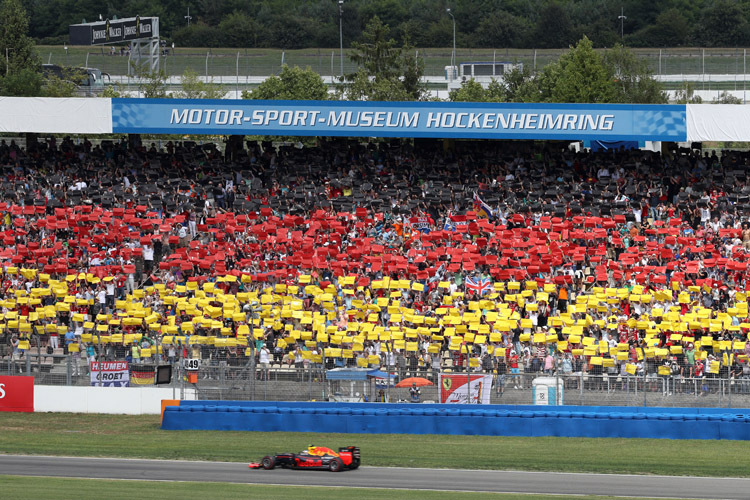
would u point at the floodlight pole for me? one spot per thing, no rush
(341, 37)
(622, 18)
(453, 54)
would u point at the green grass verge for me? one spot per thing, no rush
(32, 488)
(141, 437)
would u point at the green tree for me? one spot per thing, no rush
(722, 24)
(554, 28)
(152, 84)
(470, 91)
(727, 98)
(237, 29)
(473, 91)
(55, 86)
(520, 86)
(14, 39)
(686, 94)
(502, 29)
(671, 29)
(198, 35)
(580, 75)
(22, 83)
(633, 78)
(293, 83)
(386, 71)
(111, 91)
(192, 87)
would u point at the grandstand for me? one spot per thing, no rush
(622, 272)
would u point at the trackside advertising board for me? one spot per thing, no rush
(110, 373)
(17, 393)
(401, 119)
(457, 388)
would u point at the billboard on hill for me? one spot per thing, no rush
(114, 31)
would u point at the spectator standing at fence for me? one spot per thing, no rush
(515, 370)
(487, 363)
(75, 360)
(54, 339)
(502, 372)
(299, 365)
(700, 375)
(549, 364)
(90, 355)
(70, 337)
(172, 354)
(264, 359)
(689, 356)
(401, 363)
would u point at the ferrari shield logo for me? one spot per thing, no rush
(447, 383)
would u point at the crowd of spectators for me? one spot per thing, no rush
(506, 257)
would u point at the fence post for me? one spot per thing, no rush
(28, 364)
(252, 364)
(99, 357)
(38, 354)
(468, 375)
(180, 370)
(68, 371)
(323, 369)
(729, 396)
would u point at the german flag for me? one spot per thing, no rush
(142, 376)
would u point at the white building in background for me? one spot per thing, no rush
(481, 72)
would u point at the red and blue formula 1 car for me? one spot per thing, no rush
(314, 457)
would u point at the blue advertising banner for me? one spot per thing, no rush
(401, 119)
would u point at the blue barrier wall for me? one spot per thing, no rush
(489, 420)
(587, 409)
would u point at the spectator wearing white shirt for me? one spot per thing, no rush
(148, 257)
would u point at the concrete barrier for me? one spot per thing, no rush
(112, 400)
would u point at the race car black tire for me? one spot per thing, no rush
(268, 462)
(336, 465)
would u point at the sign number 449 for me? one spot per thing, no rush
(191, 364)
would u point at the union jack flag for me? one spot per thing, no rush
(478, 285)
(481, 208)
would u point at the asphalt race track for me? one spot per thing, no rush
(383, 477)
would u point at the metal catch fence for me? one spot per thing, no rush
(222, 380)
(247, 63)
